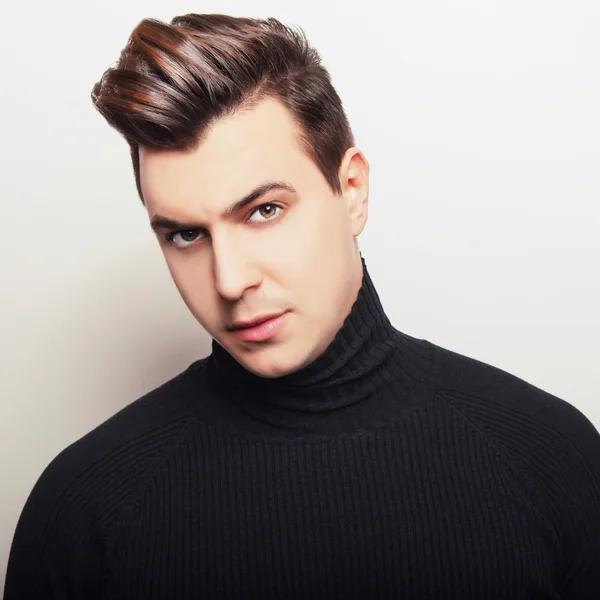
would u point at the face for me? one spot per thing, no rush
(288, 248)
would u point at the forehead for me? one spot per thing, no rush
(237, 153)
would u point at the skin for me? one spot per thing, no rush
(294, 251)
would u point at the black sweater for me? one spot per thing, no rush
(389, 468)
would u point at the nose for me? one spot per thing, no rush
(233, 269)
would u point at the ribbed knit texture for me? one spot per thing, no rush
(388, 468)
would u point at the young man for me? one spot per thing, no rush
(318, 452)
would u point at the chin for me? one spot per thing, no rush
(270, 365)
(270, 371)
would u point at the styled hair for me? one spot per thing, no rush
(173, 80)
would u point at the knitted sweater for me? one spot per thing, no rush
(388, 468)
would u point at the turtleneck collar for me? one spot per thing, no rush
(361, 360)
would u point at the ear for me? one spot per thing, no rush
(354, 181)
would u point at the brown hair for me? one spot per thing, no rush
(172, 80)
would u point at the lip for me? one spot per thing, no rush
(252, 322)
(261, 330)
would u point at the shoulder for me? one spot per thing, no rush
(115, 459)
(512, 402)
(552, 448)
(544, 437)
(75, 511)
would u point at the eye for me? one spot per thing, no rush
(183, 238)
(269, 209)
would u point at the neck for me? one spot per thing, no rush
(339, 385)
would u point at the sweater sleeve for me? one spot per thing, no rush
(556, 451)
(55, 552)
(580, 507)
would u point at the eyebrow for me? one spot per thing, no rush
(158, 222)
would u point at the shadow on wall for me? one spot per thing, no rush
(130, 331)
(97, 339)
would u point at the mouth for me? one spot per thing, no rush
(238, 325)
(260, 330)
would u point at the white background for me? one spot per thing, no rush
(481, 122)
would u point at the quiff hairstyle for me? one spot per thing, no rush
(173, 80)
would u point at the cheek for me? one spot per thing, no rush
(195, 288)
(318, 223)
(284, 248)
(327, 232)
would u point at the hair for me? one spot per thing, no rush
(173, 80)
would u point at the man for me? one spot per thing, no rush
(318, 452)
